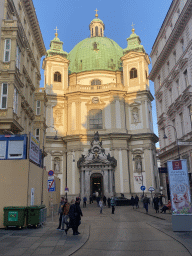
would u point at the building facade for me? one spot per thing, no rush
(99, 103)
(22, 103)
(172, 76)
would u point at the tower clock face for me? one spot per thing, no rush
(95, 100)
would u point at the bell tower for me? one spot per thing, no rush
(135, 64)
(97, 26)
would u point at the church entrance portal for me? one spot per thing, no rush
(96, 184)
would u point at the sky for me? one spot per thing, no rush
(72, 18)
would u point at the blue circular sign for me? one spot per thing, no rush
(142, 188)
(50, 173)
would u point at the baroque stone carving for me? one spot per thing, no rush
(96, 155)
(135, 114)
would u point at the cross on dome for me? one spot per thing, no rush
(56, 34)
(96, 15)
(133, 29)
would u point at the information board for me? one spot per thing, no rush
(179, 187)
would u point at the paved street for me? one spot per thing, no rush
(127, 232)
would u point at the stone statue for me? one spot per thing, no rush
(135, 116)
(57, 165)
(138, 164)
(96, 136)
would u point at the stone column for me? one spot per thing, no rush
(111, 182)
(105, 183)
(82, 184)
(87, 184)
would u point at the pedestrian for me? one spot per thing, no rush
(104, 200)
(113, 204)
(60, 211)
(109, 202)
(98, 199)
(161, 200)
(65, 216)
(84, 201)
(75, 214)
(166, 207)
(156, 203)
(146, 202)
(132, 201)
(90, 199)
(101, 206)
(136, 201)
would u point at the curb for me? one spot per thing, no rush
(172, 235)
(83, 240)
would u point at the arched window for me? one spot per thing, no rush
(96, 82)
(57, 77)
(96, 31)
(95, 46)
(101, 31)
(133, 73)
(95, 119)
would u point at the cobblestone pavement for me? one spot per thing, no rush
(127, 232)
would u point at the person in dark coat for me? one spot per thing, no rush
(60, 211)
(156, 203)
(75, 214)
(146, 201)
(90, 199)
(104, 200)
(132, 201)
(109, 202)
(136, 201)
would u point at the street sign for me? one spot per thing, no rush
(143, 188)
(50, 173)
(51, 185)
(184, 143)
(151, 189)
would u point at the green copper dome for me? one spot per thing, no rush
(95, 53)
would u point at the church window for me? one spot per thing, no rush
(57, 77)
(95, 46)
(133, 73)
(95, 119)
(96, 31)
(96, 82)
(37, 134)
(38, 107)
(101, 32)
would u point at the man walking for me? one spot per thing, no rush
(101, 206)
(146, 202)
(132, 201)
(113, 204)
(84, 201)
(136, 201)
(60, 211)
(104, 200)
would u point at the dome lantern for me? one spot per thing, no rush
(96, 26)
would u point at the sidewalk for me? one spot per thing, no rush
(165, 226)
(46, 240)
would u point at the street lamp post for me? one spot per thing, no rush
(165, 137)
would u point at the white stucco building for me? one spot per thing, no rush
(172, 76)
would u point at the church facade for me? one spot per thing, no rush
(99, 104)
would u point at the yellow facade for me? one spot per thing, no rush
(119, 96)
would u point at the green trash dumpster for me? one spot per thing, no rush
(14, 216)
(34, 215)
